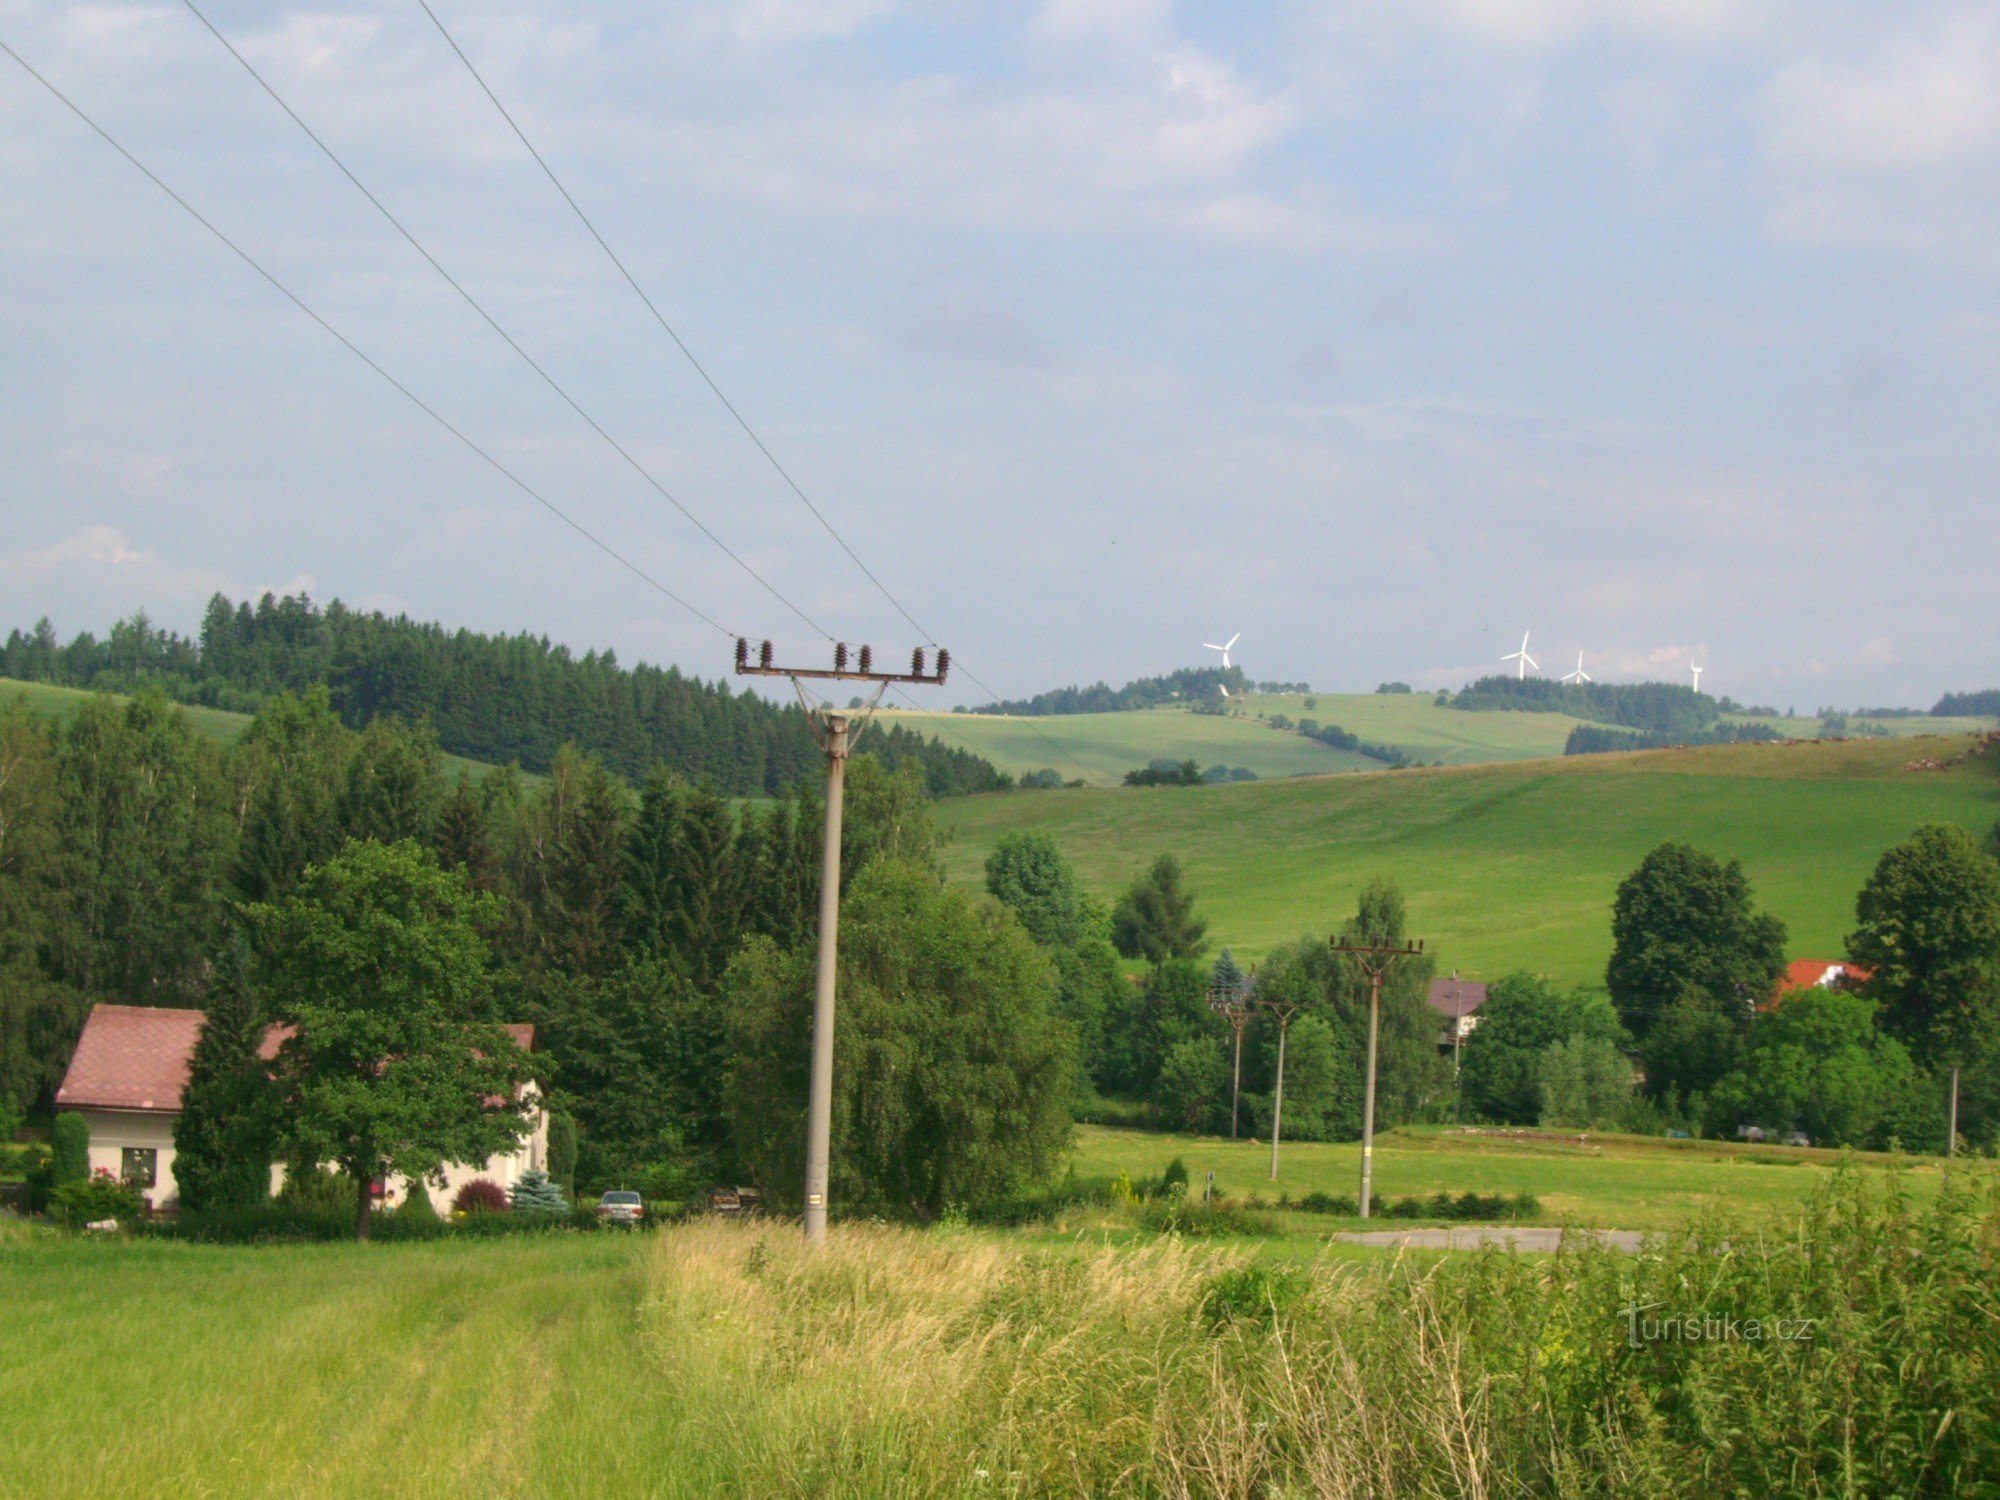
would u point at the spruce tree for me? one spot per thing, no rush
(222, 1151)
(535, 1193)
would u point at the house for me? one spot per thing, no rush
(131, 1066)
(1457, 1001)
(1814, 973)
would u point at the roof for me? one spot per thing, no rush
(1815, 973)
(1457, 997)
(131, 1057)
(136, 1057)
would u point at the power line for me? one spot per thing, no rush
(701, 370)
(660, 318)
(425, 407)
(472, 302)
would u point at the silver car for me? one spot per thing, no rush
(620, 1207)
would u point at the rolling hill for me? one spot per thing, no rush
(1510, 865)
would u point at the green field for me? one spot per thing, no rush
(725, 1358)
(214, 723)
(1596, 1180)
(1508, 866)
(1099, 749)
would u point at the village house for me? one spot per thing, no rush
(1457, 1001)
(131, 1066)
(1814, 973)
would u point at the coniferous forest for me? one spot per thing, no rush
(505, 699)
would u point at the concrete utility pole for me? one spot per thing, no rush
(1372, 956)
(1227, 1001)
(832, 729)
(1285, 1009)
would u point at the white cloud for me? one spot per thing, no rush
(1917, 104)
(100, 562)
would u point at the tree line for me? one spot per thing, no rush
(1657, 707)
(659, 938)
(1188, 685)
(493, 698)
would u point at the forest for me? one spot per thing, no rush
(502, 699)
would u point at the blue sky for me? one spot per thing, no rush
(1379, 332)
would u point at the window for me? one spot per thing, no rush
(142, 1165)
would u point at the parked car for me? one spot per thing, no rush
(1798, 1138)
(621, 1207)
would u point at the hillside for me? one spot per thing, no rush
(214, 723)
(1508, 865)
(1100, 748)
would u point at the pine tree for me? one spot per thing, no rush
(1226, 977)
(535, 1193)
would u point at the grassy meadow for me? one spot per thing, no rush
(1508, 866)
(1098, 749)
(1598, 1181)
(724, 1358)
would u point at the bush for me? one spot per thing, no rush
(272, 1222)
(38, 1174)
(480, 1195)
(417, 1207)
(313, 1191)
(1255, 1293)
(69, 1140)
(1176, 1176)
(96, 1198)
(1337, 1204)
(1197, 1220)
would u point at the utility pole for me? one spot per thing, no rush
(1372, 956)
(832, 729)
(1285, 1009)
(1227, 1001)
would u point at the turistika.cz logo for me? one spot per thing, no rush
(1645, 1324)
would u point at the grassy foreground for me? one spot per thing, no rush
(725, 1359)
(1511, 865)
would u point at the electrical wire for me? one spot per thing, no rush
(425, 407)
(491, 322)
(701, 370)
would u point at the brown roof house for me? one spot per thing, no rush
(1457, 1003)
(126, 1078)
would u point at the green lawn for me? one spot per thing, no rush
(1603, 1181)
(1429, 733)
(1513, 865)
(214, 723)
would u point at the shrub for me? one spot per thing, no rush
(1338, 1204)
(311, 1190)
(1201, 1221)
(562, 1151)
(69, 1140)
(1176, 1176)
(95, 1198)
(417, 1206)
(38, 1173)
(480, 1195)
(1255, 1293)
(271, 1222)
(536, 1194)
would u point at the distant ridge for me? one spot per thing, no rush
(1188, 685)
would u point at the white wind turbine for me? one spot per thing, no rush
(1697, 677)
(1224, 649)
(1579, 676)
(1522, 656)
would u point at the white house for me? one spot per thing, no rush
(126, 1079)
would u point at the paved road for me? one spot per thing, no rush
(1474, 1237)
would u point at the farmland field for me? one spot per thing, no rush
(1513, 865)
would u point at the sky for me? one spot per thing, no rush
(1379, 331)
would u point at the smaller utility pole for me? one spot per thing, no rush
(831, 729)
(1373, 956)
(1226, 1000)
(1285, 1009)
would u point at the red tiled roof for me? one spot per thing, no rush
(1457, 997)
(1815, 973)
(131, 1057)
(136, 1057)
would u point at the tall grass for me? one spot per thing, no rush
(945, 1364)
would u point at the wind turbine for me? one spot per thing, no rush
(1522, 656)
(1697, 677)
(1224, 649)
(1579, 676)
